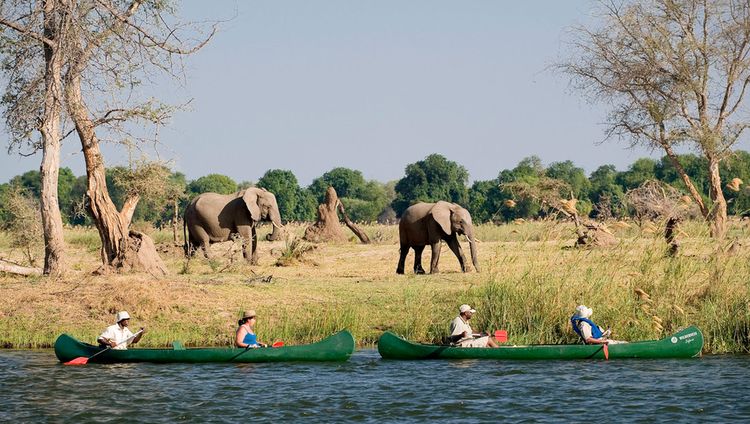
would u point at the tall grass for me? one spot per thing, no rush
(530, 285)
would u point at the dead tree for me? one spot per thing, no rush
(658, 201)
(674, 73)
(105, 44)
(328, 227)
(33, 59)
(358, 232)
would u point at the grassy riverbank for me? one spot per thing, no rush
(530, 283)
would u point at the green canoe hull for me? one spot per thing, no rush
(683, 344)
(337, 347)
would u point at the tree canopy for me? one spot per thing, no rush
(430, 180)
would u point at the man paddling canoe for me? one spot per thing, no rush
(589, 332)
(116, 336)
(463, 335)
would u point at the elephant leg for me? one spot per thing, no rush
(254, 254)
(199, 239)
(193, 247)
(455, 246)
(435, 258)
(402, 258)
(204, 246)
(254, 248)
(418, 260)
(249, 243)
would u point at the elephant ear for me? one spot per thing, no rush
(251, 201)
(441, 213)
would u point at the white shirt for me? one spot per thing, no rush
(458, 326)
(119, 335)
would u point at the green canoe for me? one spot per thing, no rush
(337, 347)
(683, 344)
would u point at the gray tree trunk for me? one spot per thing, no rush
(54, 244)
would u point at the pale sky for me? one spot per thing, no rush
(375, 85)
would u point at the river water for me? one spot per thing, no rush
(35, 387)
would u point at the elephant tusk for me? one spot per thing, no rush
(277, 226)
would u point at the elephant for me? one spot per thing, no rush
(212, 218)
(428, 223)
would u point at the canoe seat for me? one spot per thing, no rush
(177, 345)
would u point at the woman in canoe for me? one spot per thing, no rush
(463, 335)
(246, 332)
(589, 332)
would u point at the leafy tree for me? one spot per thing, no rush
(674, 73)
(695, 167)
(214, 183)
(605, 192)
(486, 201)
(29, 181)
(4, 213)
(347, 183)
(571, 174)
(430, 180)
(363, 200)
(529, 171)
(641, 170)
(294, 202)
(738, 166)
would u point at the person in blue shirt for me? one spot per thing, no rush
(246, 332)
(589, 332)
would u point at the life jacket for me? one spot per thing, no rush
(596, 332)
(250, 339)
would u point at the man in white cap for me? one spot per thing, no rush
(118, 336)
(589, 332)
(463, 335)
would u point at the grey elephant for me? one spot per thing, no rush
(212, 218)
(425, 224)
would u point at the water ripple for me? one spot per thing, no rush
(34, 387)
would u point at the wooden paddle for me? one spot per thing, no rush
(605, 348)
(275, 344)
(82, 360)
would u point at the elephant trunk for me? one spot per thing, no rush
(473, 249)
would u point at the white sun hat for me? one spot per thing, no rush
(583, 311)
(122, 315)
(466, 308)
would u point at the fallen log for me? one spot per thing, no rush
(12, 268)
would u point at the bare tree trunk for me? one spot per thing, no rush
(12, 268)
(686, 179)
(356, 230)
(718, 214)
(670, 235)
(327, 227)
(112, 225)
(54, 244)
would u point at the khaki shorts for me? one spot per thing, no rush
(480, 342)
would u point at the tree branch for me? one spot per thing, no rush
(27, 32)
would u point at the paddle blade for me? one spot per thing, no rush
(77, 361)
(277, 344)
(501, 336)
(605, 348)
